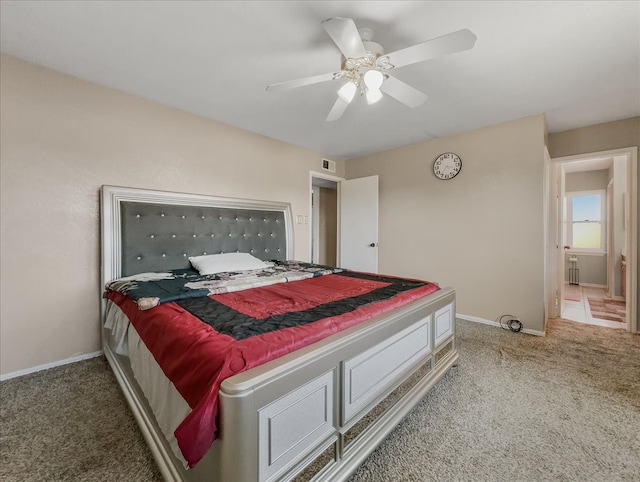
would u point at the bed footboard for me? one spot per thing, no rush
(317, 413)
(342, 396)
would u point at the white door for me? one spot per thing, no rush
(359, 224)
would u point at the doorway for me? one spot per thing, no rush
(324, 221)
(344, 221)
(588, 277)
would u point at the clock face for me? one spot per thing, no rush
(447, 166)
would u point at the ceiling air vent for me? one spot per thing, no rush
(328, 165)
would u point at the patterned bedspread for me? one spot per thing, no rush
(208, 331)
(151, 289)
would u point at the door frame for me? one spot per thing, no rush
(631, 218)
(313, 215)
(610, 240)
(315, 223)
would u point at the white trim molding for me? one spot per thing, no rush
(46, 366)
(484, 321)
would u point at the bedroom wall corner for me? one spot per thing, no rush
(480, 232)
(61, 139)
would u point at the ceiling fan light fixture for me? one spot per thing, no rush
(373, 79)
(348, 91)
(373, 96)
(365, 65)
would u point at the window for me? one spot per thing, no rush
(586, 221)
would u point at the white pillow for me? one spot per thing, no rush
(220, 263)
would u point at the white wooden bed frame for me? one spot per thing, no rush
(314, 414)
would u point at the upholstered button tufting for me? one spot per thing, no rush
(173, 235)
(183, 217)
(220, 218)
(162, 215)
(202, 217)
(213, 235)
(278, 250)
(204, 254)
(244, 235)
(195, 235)
(152, 236)
(250, 219)
(164, 255)
(272, 235)
(184, 254)
(137, 215)
(236, 218)
(251, 250)
(229, 234)
(259, 234)
(139, 258)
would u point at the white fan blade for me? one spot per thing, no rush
(345, 34)
(403, 92)
(337, 110)
(292, 84)
(437, 47)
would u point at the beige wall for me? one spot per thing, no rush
(481, 232)
(61, 139)
(601, 137)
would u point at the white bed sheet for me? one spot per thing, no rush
(118, 325)
(168, 406)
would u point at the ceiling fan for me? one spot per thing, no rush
(365, 66)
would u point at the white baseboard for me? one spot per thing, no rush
(593, 285)
(46, 366)
(484, 321)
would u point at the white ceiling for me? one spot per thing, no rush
(576, 62)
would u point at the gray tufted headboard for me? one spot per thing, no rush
(144, 230)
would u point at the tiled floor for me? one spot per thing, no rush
(579, 310)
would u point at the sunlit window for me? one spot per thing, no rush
(586, 220)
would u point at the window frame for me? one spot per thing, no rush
(603, 221)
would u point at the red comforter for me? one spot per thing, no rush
(197, 358)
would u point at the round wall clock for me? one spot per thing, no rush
(447, 165)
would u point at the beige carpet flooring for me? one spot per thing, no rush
(565, 407)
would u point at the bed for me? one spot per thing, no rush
(314, 413)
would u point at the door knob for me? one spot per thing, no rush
(372, 245)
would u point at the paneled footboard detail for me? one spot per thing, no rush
(295, 423)
(368, 375)
(385, 404)
(444, 323)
